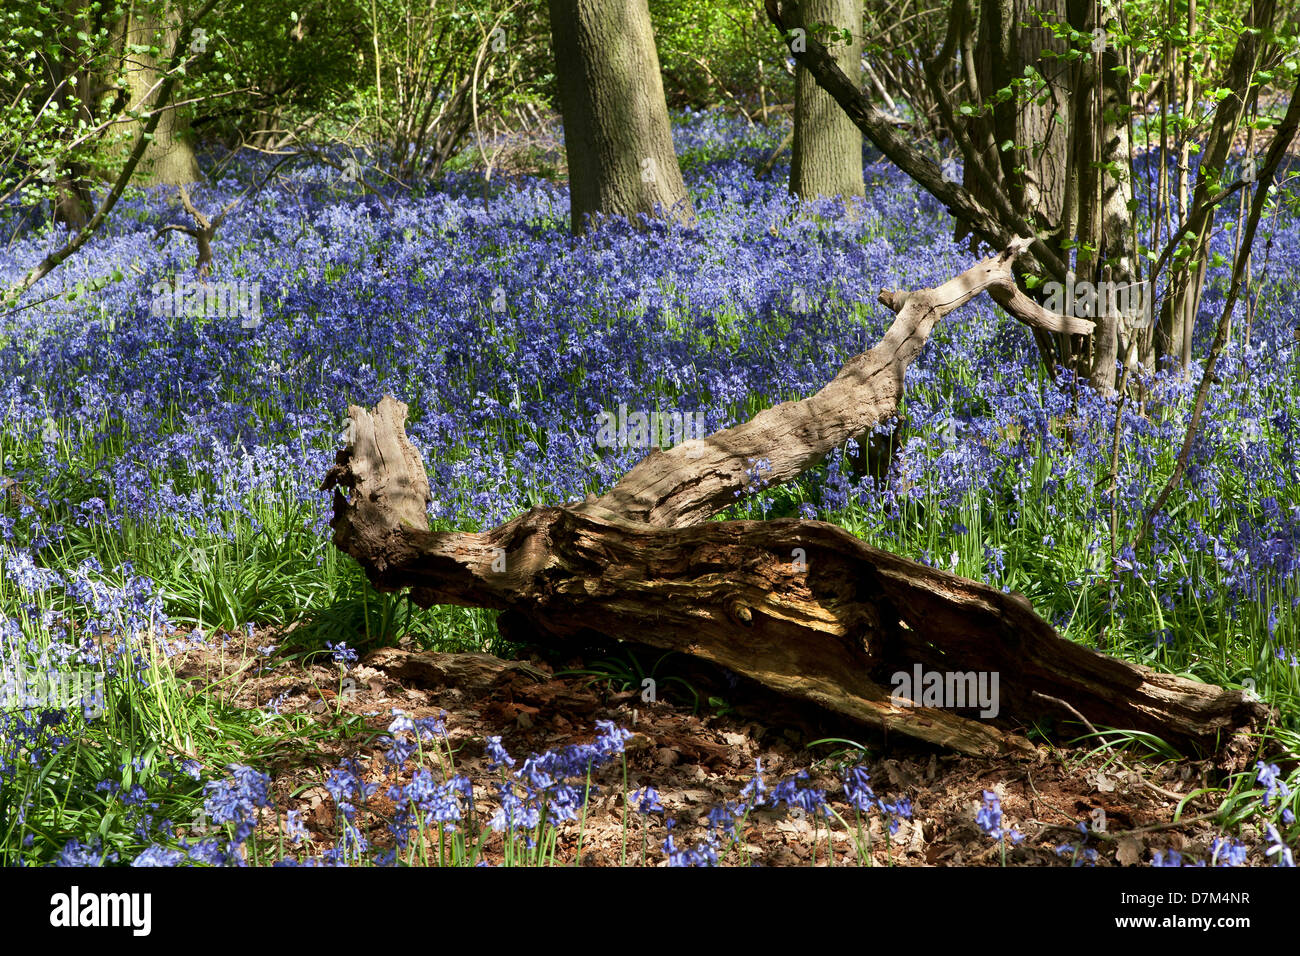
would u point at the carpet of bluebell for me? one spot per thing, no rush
(160, 471)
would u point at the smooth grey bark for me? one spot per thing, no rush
(617, 138)
(827, 156)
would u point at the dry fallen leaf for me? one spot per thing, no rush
(1103, 783)
(1130, 851)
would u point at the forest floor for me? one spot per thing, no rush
(699, 758)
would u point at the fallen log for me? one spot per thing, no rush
(473, 672)
(802, 607)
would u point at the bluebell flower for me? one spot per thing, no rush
(497, 755)
(1228, 852)
(159, 856)
(76, 853)
(342, 653)
(1271, 777)
(857, 789)
(808, 799)
(754, 791)
(726, 819)
(989, 819)
(294, 828)
(646, 801)
(345, 784)
(1277, 847)
(705, 853)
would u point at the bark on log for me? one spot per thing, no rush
(803, 607)
(469, 672)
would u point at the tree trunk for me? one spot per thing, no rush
(72, 203)
(1056, 170)
(1177, 313)
(1014, 35)
(617, 138)
(169, 158)
(1115, 261)
(803, 607)
(1010, 39)
(827, 156)
(78, 88)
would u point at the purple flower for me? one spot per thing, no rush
(726, 819)
(345, 784)
(236, 801)
(754, 791)
(1277, 848)
(1271, 777)
(646, 801)
(76, 853)
(159, 856)
(807, 799)
(496, 754)
(294, 828)
(1228, 852)
(704, 854)
(423, 803)
(342, 653)
(857, 790)
(989, 819)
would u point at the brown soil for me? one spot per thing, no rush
(699, 760)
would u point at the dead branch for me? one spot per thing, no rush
(802, 607)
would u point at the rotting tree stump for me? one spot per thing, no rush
(802, 607)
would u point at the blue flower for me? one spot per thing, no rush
(236, 801)
(705, 853)
(646, 801)
(989, 819)
(342, 653)
(754, 791)
(1228, 853)
(808, 799)
(497, 755)
(1277, 848)
(857, 789)
(726, 819)
(1271, 777)
(158, 856)
(76, 853)
(294, 828)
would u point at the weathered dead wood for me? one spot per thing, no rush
(696, 479)
(803, 607)
(204, 229)
(470, 672)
